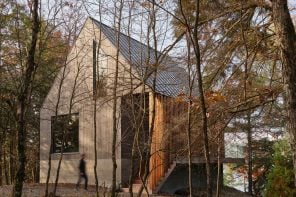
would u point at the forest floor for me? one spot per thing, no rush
(69, 190)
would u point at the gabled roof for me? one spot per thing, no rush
(171, 80)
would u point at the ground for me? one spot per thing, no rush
(63, 190)
(68, 190)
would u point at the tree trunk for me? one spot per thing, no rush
(219, 168)
(193, 35)
(137, 127)
(189, 115)
(1, 156)
(152, 110)
(11, 159)
(65, 133)
(56, 114)
(5, 167)
(250, 162)
(202, 101)
(287, 43)
(95, 60)
(114, 106)
(189, 148)
(22, 104)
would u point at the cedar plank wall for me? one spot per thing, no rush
(166, 110)
(169, 140)
(157, 155)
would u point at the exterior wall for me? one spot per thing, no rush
(169, 138)
(163, 139)
(78, 76)
(134, 123)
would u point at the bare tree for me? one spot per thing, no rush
(193, 35)
(114, 95)
(23, 98)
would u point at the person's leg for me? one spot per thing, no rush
(78, 182)
(86, 180)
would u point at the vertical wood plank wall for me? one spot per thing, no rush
(169, 138)
(166, 109)
(157, 155)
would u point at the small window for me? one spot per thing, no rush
(100, 70)
(101, 80)
(65, 128)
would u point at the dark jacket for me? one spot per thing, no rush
(82, 166)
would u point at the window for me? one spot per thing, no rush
(100, 66)
(65, 128)
(101, 80)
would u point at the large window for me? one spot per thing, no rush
(65, 128)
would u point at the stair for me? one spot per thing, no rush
(164, 178)
(136, 187)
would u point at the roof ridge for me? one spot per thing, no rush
(169, 81)
(101, 23)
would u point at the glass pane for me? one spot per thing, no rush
(65, 130)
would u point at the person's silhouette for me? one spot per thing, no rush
(82, 172)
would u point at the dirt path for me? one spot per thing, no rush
(63, 190)
(69, 190)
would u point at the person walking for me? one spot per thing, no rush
(82, 172)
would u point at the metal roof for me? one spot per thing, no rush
(171, 80)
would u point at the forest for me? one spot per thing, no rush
(232, 119)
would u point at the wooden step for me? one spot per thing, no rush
(137, 181)
(164, 178)
(136, 188)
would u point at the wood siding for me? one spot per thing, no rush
(169, 139)
(164, 136)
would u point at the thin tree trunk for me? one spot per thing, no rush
(150, 137)
(189, 148)
(219, 169)
(95, 147)
(193, 35)
(132, 167)
(249, 129)
(96, 51)
(65, 133)
(285, 31)
(137, 126)
(152, 25)
(95, 60)
(250, 163)
(114, 106)
(204, 120)
(11, 158)
(37, 169)
(189, 117)
(5, 167)
(51, 142)
(22, 104)
(202, 101)
(139, 115)
(57, 105)
(1, 156)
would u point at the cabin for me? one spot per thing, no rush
(81, 100)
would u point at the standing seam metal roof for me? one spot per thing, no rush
(170, 78)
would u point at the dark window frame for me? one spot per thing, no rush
(100, 71)
(71, 131)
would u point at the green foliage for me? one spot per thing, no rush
(52, 47)
(280, 177)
